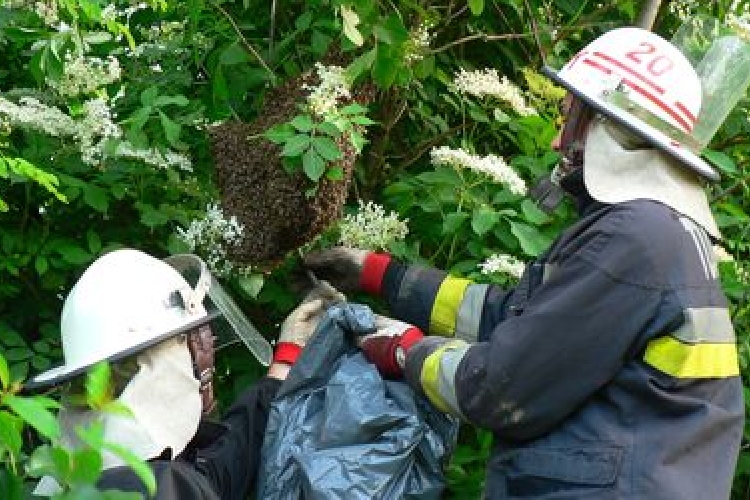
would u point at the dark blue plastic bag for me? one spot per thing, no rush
(337, 430)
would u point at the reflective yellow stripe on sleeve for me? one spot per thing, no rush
(701, 360)
(438, 374)
(447, 303)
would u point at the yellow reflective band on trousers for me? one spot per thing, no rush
(701, 360)
(446, 305)
(438, 374)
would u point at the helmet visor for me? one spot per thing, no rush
(229, 323)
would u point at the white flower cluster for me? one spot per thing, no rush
(47, 10)
(153, 156)
(419, 41)
(502, 264)
(487, 83)
(323, 98)
(92, 131)
(210, 237)
(84, 75)
(371, 228)
(95, 129)
(490, 165)
(32, 114)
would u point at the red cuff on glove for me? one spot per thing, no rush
(286, 352)
(373, 270)
(381, 350)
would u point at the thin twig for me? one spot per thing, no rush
(483, 37)
(426, 145)
(242, 38)
(535, 31)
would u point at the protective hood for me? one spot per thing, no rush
(613, 174)
(164, 399)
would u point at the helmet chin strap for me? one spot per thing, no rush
(548, 192)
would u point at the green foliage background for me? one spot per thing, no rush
(213, 60)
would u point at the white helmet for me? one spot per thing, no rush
(649, 85)
(127, 301)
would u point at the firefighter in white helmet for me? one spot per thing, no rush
(158, 324)
(611, 370)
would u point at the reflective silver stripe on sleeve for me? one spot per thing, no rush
(706, 324)
(470, 312)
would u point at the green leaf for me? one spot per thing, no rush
(10, 433)
(72, 253)
(533, 213)
(97, 384)
(148, 96)
(319, 42)
(41, 264)
(335, 173)
(4, 372)
(483, 219)
(476, 6)
(177, 100)
(94, 242)
(392, 30)
(47, 460)
(87, 466)
(34, 413)
(171, 129)
(313, 165)
(303, 123)
(453, 222)
(234, 54)
(531, 240)
(360, 65)
(329, 129)
(296, 145)
(723, 161)
(95, 197)
(251, 284)
(279, 134)
(385, 68)
(150, 216)
(327, 148)
(351, 20)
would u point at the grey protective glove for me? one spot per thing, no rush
(341, 266)
(301, 323)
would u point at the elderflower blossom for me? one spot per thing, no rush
(32, 114)
(371, 228)
(95, 129)
(418, 43)
(84, 75)
(211, 236)
(490, 165)
(154, 157)
(487, 83)
(502, 264)
(323, 98)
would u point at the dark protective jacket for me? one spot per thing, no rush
(221, 462)
(609, 372)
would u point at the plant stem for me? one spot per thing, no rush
(242, 38)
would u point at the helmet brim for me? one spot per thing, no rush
(652, 135)
(64, 373)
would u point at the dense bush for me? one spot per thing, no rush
(105, 111)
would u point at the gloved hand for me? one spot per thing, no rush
(301, 323)
(386, 348)
(341, 266)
